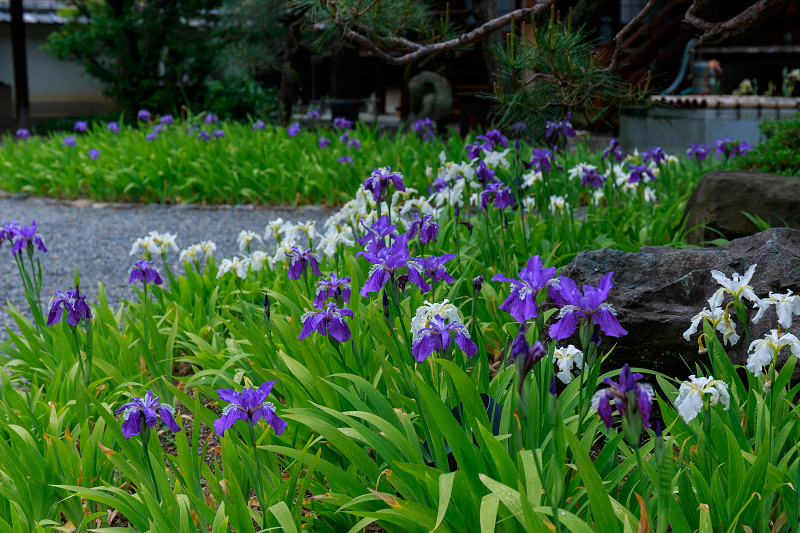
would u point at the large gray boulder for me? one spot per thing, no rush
(658, 290)
(721, 197)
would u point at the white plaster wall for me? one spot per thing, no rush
(57, 88)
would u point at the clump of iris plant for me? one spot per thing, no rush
(139, 416)
(425, 128)
(28, 239)
(614, 151)
(250, 406)
(343, 123)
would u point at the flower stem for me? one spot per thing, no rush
(146, 454)
(259, 493)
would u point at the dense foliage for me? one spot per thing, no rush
(153, 53)
(780, 151)
(425, 370)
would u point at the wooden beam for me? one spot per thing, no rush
(20, 65)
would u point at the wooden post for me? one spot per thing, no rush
(20, 65)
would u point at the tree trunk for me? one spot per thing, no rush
(20, 65)
(484, 11)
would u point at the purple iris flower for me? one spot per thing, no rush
(294, 129)
(378, 183)
(327, 321)
(81, 125)
(344, 137)
(732, 148)
(250, 405)
(477, 283)
(258, 125)
(113, 127)
(433, 267)
(438, 185)
(639, 172)
(426, 128)
(94, 154)
(152, 135)
(218, 134)
(521, 303)
(203, 136)
(211, 118)
(345, 159)
(354, 144)
(24, 236)
(589, 305)
(375, 236)
(519, 129)
(543, 160)
(427, 228)
(485, 174)
(167, 119)
(143, 115)
(145, 272)
(493, 139)
(592, 178)
(436, 337)
(563, 128)
(299, 260)
(632, 400)
(22, 133)
(721, 145)
(324, 142)
(656, 154)
(497, 194)
(312, 114)
(701, 151)
(343, 123)
(7, 231)
(335, 287)
(73, 303)
(151, 408)
(614, 151)
(69, 140)
(474, 150)
(388, 264)
(526, 356)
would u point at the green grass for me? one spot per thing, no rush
(246, 166)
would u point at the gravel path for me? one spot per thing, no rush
(97, 238)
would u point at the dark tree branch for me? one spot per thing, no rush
(717, 32)
(421, 51)
(623, 33)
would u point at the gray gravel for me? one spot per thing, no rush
(97, 238)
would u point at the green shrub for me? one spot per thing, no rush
(779, 153)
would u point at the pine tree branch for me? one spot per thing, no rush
(717, 32)
(421, 51)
